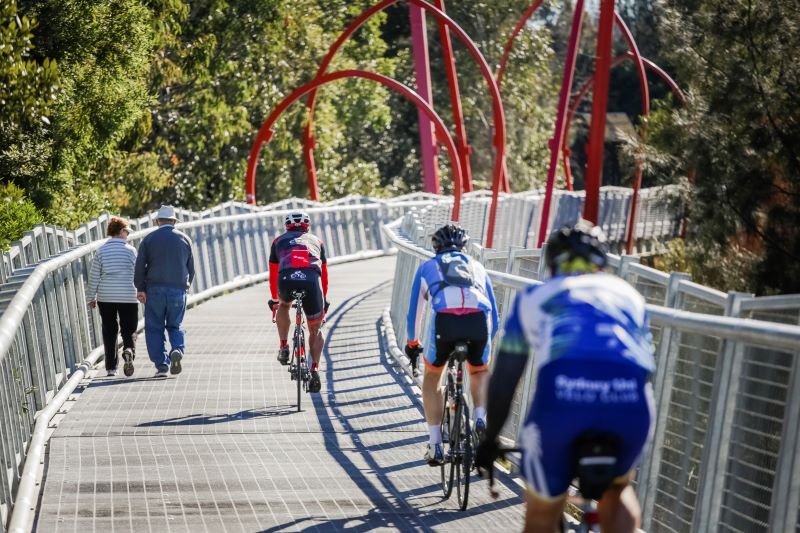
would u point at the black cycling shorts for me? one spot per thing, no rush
(304, 279)
(450, 328)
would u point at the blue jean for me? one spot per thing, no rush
(164, 308)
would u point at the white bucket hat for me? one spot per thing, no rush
(167, 212)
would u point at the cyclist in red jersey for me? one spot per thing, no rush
(297, 262)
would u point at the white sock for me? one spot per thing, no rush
(480, 413)
(435, 434)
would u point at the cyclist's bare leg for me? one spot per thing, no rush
(282, 319)
(478, 381)
(315, 341)
(432, 399)
(543, 515)
(619, 509)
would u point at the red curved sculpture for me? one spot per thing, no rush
(563, 102)
(518, 28)
(641, 63)
(587, 86)
(265, 132)
(497, 106)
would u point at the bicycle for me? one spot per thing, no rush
(298, 364)
(456, 431)
(595, 464)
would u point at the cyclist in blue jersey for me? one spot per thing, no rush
(460, 293)
(589, 334)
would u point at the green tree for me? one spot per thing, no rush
(222, 66)
(17, 214)
(27, 87)
(739, 135)
(103, 53)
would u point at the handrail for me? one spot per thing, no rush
(746, 330)
(724, 387)
(46, 330)
(25, 501)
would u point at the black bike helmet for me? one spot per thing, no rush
(449, 237)
(584, 240)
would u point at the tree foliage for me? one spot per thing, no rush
(17, 214)
(739, 136)
(27, 87)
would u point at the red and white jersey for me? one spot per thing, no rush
(297, 249)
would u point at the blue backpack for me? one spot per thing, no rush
(455, 271)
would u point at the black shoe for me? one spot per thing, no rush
(127, 356)
(175, 357)
(314, 384)
(283, 355)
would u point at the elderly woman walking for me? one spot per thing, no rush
(111, 289)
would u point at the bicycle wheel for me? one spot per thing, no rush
(464, 456)
(305, 367)
(298, 354)
(447, 471)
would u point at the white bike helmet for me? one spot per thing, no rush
(297, 220)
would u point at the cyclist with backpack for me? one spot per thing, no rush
(593, 351)
(460, 294)
(297, 262)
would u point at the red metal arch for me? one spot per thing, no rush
(641, 64)
(518, 28)
(497, 106)
(265, 132)
(587, 86)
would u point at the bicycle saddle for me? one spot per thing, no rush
(460, 351)
(595, 462)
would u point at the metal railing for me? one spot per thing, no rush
(46, 329)
(44, 241)
(726, 449)
(657, 221)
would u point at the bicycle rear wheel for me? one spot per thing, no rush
(447, 470)
(463, 458)
(298, 357)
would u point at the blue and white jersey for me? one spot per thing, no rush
(428, 286)
(596, 316)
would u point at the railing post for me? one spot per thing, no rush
(544, 272)
(666, 358)
(31, 340)
(625, 262)
(786, 487)
(718, 438)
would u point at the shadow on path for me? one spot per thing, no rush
(202, 420)
(393, 506)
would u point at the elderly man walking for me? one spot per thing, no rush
(164, 273)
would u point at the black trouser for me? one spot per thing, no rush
(128, 318)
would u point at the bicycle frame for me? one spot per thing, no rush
(298, 365)
(459, 433)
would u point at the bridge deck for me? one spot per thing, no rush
(222, 448)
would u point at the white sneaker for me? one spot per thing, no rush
(161, 374)
(111, 373)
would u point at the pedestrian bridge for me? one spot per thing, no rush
(222, 448)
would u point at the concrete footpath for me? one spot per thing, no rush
(221, 447)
